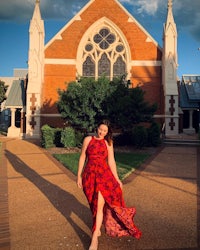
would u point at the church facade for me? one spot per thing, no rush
(102, 39)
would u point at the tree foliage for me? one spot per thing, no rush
(127, 107)
(85, 102)
(3, 89)
(81, 103)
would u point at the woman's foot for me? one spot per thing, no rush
(94, 242)
(92, 248)
(94, 245)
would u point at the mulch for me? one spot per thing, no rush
(126, 149)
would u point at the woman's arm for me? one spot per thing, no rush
(82, 160)
(112, 163)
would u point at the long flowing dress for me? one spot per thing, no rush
(98, 177)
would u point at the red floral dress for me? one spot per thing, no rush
(97, 176)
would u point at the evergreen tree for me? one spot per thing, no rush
(127, 107)
(84, 103)
(81, 103)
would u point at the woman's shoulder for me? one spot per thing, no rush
(86, 142)
(109, 145)
(87, 139)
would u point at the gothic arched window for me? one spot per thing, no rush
(119, 67)
(104, 54)
(104, 66)
(89, 67)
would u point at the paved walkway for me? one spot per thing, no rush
(41, 207)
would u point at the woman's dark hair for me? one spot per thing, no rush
(108, 137)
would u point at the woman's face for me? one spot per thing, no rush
(102, 130)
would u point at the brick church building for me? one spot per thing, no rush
(102, 38)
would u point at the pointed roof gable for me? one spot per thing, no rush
(106, 6)
(16, 96)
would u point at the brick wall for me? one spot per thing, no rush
(56, 75)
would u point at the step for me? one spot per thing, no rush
(182, 142)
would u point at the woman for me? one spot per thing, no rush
(103, 188)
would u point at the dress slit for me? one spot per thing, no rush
(98, 177)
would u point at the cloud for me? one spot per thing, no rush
(22, 10)
(15, 10)
(61, 9)
(143, 7)
(186, 12)
(187, 15)
(150, 7)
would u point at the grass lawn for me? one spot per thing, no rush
(126, 162)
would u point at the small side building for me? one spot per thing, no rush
(16, 102)
(15, 98)
(189, 89)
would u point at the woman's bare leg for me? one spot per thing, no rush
(99, 220)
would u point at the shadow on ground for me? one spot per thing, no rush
(63, 201)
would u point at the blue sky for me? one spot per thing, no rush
(151, 14)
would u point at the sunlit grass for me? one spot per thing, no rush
(126, 162)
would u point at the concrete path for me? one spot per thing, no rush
(41, 207)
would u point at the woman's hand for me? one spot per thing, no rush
(79, 182)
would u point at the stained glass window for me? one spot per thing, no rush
(119, 48)
(104, 38)
(119, 67)
(88, 67)
(104, 54)
(89, 47)
(104, 66)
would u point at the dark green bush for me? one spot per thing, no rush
(154, 135)
(57, 137)
(79, 136)
(68, 138)
(47, 137)
(123, 139)
(139, 136)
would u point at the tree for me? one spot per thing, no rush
(85, 102)
(126, 107)
(3, 89)
(81, 103)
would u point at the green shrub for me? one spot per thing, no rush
(68, 138)
(154, 135)
(57, 137)
(79, 136)
(139, 136)
(123, 139)
(48, 136)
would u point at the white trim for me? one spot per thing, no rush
(191, 75)
(149, 40)
(146, 63)
(50, 115)
(60, 61)
(14, 107)
(59, 115)
(46, 115)
(166, 116)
